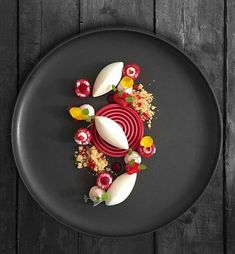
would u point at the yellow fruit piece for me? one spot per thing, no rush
(126, 82)
(146, 141)
(77, 114)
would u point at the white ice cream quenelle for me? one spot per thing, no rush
(108, 76)
(90, 109)
(132, 156)
(111, 132)
(120, 189)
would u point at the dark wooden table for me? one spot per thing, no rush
(205, 29)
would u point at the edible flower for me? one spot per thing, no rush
(146, 141)
(126, 82)
(79, 114)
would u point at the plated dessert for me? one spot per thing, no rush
(113, 131)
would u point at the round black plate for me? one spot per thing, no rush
(187, 133)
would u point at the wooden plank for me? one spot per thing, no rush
(8, 92)
(197, 27)
(43, 24)
(102, 13)
(230, 128)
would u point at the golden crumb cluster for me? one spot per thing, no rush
(142, 104)
(90, 157)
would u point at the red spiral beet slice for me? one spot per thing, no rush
(131, 124)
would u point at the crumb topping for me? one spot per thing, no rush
(142, 104)
(90, 157)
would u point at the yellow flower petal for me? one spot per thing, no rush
(146, 141)
(126, 82)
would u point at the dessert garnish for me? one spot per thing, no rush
(82, 88)
(115, 130)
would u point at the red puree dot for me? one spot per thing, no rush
(116, 166)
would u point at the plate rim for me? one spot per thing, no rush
(20, 97)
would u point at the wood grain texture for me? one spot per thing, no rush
(230, 129)
(97, 14)
(197, 27)
(42, 24)
(8, 92)
(102, 13)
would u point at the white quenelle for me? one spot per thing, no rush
(90, 109)
(120, 189)
(110, 75)
(111, 132)
(132, 156)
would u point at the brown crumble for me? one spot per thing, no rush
(90, 157)
(142, 104)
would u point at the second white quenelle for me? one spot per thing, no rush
(110, 75)
(111, 132)
(120, 189)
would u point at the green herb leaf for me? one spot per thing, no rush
(114, 88)
(142, 167)
(131, 163)
(104, 196)
(129, 152)
(85, 111)
(129, 99)
(120, 92)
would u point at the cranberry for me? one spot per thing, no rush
(131, 70)
(110, 98)
(104, 180)
(116, 166)
(120, 99)
(82, 88)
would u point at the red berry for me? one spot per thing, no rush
(104, 180)
(131, 169)
(131, 70)
(82, 88)
(119, 100)
(116, 166)
(136, 87)
(110, 98)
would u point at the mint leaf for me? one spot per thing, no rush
(130, 152)
(104, 196)
(114, 88)
(142, 167)
(131, 163)
(129, 99)
(85, 111)
(120, 92)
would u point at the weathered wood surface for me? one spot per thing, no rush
(197, 26)
(230, 129)
(8, 93)
(42, 24)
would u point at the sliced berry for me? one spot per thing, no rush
(147, 151)
(131, 70)
(104, 180)
(82, 88)
(120, 99)
(82, 136)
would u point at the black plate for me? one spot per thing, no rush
(187, 133)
